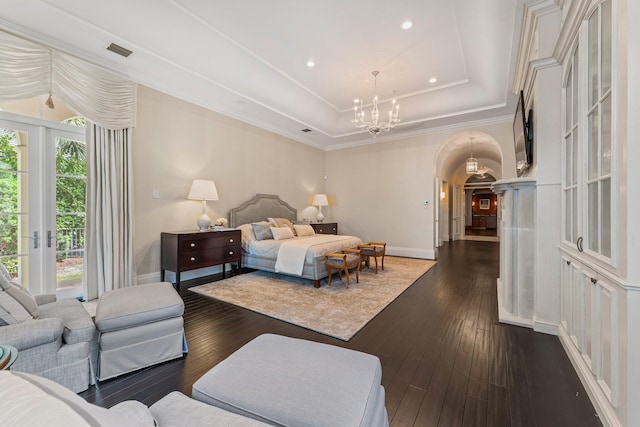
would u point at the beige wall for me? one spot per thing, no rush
(175, 142)
(380, 189)
(377, 191)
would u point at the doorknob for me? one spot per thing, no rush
(35, 239)
(50, 237)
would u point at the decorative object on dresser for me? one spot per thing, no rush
(320, 200)
(188, 250)
(325, 227)
(203, 190)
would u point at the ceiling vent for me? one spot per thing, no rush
(122, 51)
(306, 130)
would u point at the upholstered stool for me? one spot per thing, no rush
(292, 382)
(375, 250)
(138, 327)
(348, 258)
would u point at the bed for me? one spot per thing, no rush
(263, 254)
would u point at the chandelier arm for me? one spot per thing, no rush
(375, 126)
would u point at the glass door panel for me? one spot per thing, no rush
(14, 231)
(67, 235)
(42, 204)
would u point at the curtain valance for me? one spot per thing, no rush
(28, 69)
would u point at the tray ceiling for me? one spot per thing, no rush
(248, 59)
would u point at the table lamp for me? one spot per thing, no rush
(202, 189)
(320, 200)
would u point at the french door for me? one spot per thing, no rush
(42, 204)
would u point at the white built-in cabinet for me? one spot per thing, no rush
(592, 294)
(589, 146)
(589, 324)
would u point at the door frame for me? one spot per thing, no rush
(41, 172)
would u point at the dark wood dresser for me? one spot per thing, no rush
(325, 227)
(190, 250)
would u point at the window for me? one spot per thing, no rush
(571, 152)
(588, 142)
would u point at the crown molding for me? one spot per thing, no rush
(532, 71)
(418, 132)
(570, 28)
(533, 11)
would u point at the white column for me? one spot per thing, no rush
(516, 284)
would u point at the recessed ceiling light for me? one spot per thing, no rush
(311, 63)
(433, 80)
(407, 24)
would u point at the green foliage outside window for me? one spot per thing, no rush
(8, 199)
(70, 195)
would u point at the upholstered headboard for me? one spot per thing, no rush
(261, 207)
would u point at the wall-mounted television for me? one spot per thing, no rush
(523, 136)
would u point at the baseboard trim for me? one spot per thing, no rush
(506, 317)
(170, 276)
(510, 319)
(411, 252)
(545, 327)
(600, 402)
(148, 278)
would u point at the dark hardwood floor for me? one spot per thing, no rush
(446, 361)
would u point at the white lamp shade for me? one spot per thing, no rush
(202, 189)
(320, 200)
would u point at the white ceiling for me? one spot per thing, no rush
(247, 58)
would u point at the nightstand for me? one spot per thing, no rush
(325, 227)
(190, 250)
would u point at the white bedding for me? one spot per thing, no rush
(325, 243)
(293, 252)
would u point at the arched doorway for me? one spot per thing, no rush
(481, 208)
(455, 212)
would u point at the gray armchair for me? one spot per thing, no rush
(55, 339)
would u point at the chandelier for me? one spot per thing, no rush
(374, 125)
(472, 162)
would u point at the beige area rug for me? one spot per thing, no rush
(335, 311)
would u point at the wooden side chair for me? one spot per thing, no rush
(375, 250)
(343, 261)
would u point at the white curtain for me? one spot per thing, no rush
(109, 241)
(25, 68)
(28, 69)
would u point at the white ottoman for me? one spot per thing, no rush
(138, 327)
(291, 382)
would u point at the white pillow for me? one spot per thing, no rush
(304, 230)
(281, 233)
(247, 233)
